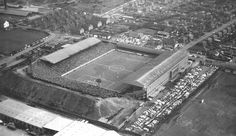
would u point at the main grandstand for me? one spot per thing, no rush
(106, 70)
(158, 72)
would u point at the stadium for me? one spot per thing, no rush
(107, 70)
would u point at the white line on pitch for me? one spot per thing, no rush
(87, 63)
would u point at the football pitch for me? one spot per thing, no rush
(110, 68)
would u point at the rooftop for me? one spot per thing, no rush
(25, 113)
(44, 119)
(154, 69)
(78, 128)
(64, 53)
(15, 12)
(58, 123)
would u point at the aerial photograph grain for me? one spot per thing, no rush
(117, 67)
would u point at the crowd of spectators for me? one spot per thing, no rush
(52, 73)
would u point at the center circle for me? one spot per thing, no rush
(116, 68)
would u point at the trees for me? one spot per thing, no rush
(65, 20)
(98, 81)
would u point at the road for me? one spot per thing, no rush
(112, 11)
(12, 59)
(191, 44)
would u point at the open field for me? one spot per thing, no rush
(15, 39)
(216, 116)
(110, 68)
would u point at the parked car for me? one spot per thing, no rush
(11, 126)
(31, 132)
(1, 122)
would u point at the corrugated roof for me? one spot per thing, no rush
(64, 53)
(132, 78)
(25, 113)
(78, 128)
(58, 123)
(111, 133)
(12, 109)
(36, 117)
(154, 69)
(15, 12)
(160, 69)
(44, 119)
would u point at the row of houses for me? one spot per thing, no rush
(94, 22)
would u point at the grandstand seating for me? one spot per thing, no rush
(52, 73)
(65, 53)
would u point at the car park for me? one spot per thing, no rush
(171, 99)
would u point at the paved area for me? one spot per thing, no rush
(12, 59)
(4, 131)
(16, 39)
(191, 44)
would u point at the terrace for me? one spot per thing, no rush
(81, 71)
(52, 73)
(111, 68)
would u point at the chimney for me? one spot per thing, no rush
(5, 4)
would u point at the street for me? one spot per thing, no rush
(12, 59)
(191, 44)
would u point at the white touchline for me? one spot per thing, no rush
(87, 63)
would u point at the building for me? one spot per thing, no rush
(65, 53)
(142, 78)
(24, 116)
(100, 34)
(154, 75)
(36, 9)
(41, 121)
(80, 128)
(15, 12)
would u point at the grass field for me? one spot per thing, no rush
(15, 39)
(110, 68)
(215, 117)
